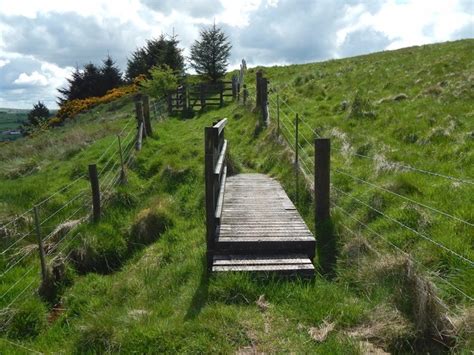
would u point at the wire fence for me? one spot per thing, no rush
(62, 212)
(285, 116)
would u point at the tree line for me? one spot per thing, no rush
(155, 60)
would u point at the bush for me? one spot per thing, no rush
(161, 82)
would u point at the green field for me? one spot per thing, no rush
(11, 119)
(136, 281)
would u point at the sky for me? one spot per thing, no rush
(41, 42)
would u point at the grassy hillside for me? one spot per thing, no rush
(136, 281)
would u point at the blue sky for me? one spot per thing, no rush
(42, 41)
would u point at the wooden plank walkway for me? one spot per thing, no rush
(261, 230)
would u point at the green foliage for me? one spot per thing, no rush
(156, 53)
(161, 81)
(210, 54)
(92, 81)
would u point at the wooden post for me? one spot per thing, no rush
(258, 99)
(146, 114)
(44, 271)
(264, 98)
(138, 143)
(238, 92)
(297, 157)
(234, 86)
(123, 177)
(324, 234)
(245, 93)
(221, 93)
(94, 179)
(278, 114)
(139, 114)
(210, 143)
(202, 96)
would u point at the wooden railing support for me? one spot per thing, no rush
(215, 147)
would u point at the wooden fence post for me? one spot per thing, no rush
(139, 114)
(258, 99)
(44, 271)
(146, 114)
(326, 244)
(138, 143)
(264, 98)
(94, 179)
(221, 94)
(234, 86)
(245, 93)
(123, 177)
(278, 114)
(202, 96)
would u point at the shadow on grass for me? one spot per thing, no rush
(201, 293)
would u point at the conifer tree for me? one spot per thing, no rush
(210, 54)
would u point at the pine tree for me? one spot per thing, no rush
(38, 114)
(111, 76)
(157, 52)
(210, 54)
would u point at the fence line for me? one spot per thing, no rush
(110, 175)
(401, 250)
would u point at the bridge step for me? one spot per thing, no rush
(288, 265)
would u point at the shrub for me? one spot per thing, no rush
(161, 82)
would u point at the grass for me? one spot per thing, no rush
(136, 281)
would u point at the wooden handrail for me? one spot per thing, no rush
(215, 176)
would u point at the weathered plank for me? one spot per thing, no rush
(261, 230)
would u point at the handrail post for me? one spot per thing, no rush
(324, 234)
(278, 114)
(210, 142)
(297, 157)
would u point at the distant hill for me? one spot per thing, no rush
(10, 122)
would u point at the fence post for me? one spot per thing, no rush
(221, 94)
(245, 93)
(234, 86)
(123, 177)
(94, 179)
(324, 233)
(278, 114)
(264, 98)
(146, 114)
(258, 99)
(44, 271)
(138, 144)
(139, 114)
(202, 96)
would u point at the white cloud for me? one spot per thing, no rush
(34, 79)
(4, 62)
(40, 41)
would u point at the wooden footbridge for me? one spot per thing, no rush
(252, 225)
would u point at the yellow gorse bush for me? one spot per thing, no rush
(71, 108)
